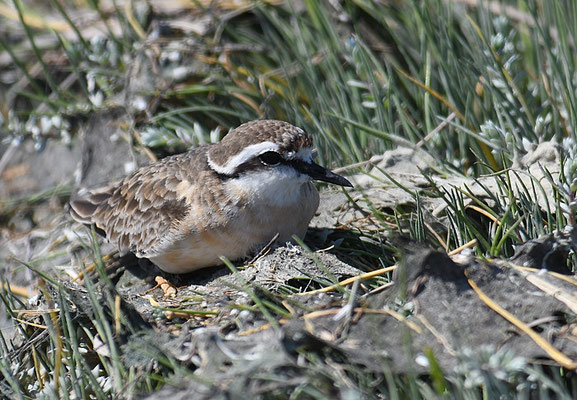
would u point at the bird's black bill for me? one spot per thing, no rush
(319, 173)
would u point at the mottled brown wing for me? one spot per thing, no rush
(139, 213)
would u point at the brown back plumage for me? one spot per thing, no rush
(138, 212)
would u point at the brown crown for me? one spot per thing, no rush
(287, 136)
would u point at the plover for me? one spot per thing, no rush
(225, 199)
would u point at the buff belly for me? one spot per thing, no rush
(244, 234)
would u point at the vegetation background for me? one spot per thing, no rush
(477, 85)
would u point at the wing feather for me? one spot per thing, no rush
(139, 213)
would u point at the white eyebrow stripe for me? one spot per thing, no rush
(246, 154)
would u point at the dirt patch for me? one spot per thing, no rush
(432, 309)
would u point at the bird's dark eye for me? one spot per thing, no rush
(270, 158)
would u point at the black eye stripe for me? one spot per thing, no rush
(270, 158)
(267, 159)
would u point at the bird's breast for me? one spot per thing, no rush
(253, 223)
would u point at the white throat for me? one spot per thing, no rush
(280, 186)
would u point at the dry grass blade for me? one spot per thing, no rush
(557, 292)
(485, 213)
(437, 129)
(20, 290)
(93, 266)
(261, 328)
(325, 313)
(557, 275)
(377, 272)
(360, 310)
(459, 249)
(133, 21)
(440, 338)
(30, 323)
(436, 235)
(349, 281)
(34, 20)
(555, 354)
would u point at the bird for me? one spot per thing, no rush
(226, 199)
